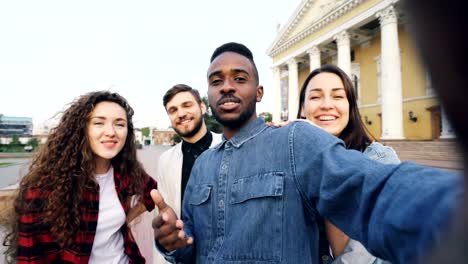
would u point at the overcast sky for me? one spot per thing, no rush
(54, 51)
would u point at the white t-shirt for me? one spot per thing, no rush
(108, 246)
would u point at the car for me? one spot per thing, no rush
(28, 148)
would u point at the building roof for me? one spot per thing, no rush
(15, 119)
(309, 17)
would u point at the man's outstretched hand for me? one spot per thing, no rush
(167, 228)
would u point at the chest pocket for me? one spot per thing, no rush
(201, 202)
(265, 185)
(256, 218)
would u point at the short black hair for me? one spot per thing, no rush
(238, 48)
(178, 88)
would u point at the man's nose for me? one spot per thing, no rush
(181, 113)
(228, 87)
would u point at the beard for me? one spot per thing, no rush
(191, 133)
(239, 121)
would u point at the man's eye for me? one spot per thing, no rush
(215, 82)
(240, 79)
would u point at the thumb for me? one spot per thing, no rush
(158, 200)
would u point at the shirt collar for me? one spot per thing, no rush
(202, 144)
(246, 133)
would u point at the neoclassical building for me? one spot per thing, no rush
(369, 40)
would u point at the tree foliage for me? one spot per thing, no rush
(34, 142)
(15, 140)
(145, 131)
(267, 116)
(210, 121)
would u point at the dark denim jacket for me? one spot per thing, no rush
(255, 198)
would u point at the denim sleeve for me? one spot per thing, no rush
(383, 154)
(395, 210)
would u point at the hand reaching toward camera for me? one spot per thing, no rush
(168, 230)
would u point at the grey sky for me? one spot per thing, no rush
(53, 51)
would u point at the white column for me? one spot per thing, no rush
(344, 51)
(392, 103)
(293, 89)
(447, 130)
(314, 58)
(276, 94)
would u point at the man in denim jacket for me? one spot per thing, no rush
(254, 198)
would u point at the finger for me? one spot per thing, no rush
(179, 224)
(167, 229)
(183, 236)
(171, 241)
(157, 222)
(189, 240)
(158, 200)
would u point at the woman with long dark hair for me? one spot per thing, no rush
(328, 100)
(72, 205)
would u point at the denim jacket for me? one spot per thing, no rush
(354, 251)
(255, 199)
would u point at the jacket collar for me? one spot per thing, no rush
(246, 133)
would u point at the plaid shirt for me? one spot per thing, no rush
(36, 244)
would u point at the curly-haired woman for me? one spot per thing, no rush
(72, 205)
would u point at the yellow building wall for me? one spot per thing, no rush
(303, 73)
(413, 85)
(420, 130)
(372, 113)
(366, 56)
(412, 72)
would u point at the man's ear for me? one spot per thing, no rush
(203, 107)
(259, 93)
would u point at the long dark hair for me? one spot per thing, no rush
(64, 169)
(355, 134)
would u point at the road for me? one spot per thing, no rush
(148, 156)
(11, 174)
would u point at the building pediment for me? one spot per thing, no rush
(309, 16)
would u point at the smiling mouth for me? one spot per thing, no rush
(229, 103)
(183, 122)
(109, 144)
(327, 118)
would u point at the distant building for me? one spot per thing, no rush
(44, 128)
(15, 126)
(138, 136)
(163, 136)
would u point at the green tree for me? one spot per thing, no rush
(267, 116)
(34, 142)
(15, 141)
(210, 121)
(176, 138)
(145, 131)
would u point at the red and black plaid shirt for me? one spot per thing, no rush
(36, 244)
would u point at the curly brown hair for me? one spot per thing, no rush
(64, 168)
